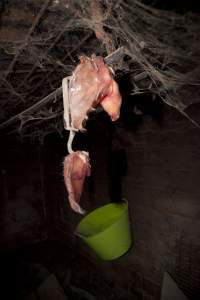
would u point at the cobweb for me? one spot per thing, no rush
(161, 55)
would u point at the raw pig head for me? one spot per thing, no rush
(76, 168)
(92, 83)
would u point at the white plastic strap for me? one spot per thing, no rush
(67, 113)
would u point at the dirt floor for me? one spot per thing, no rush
(24, 270)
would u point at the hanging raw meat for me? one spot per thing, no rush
(92, 83)
(76, 168)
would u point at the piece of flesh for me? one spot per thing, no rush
(92, 84)
(76, 168)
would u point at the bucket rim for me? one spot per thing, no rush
(100, 232)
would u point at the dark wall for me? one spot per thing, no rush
(22, 214)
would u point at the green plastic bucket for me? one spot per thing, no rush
(106, 230)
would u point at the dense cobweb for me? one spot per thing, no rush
(161, 49)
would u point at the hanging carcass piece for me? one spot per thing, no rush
(92, 84)
(76, 168)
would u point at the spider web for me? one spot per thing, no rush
(161, 49)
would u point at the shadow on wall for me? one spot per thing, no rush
(117, 168)
(136, 106)
(133, 110)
